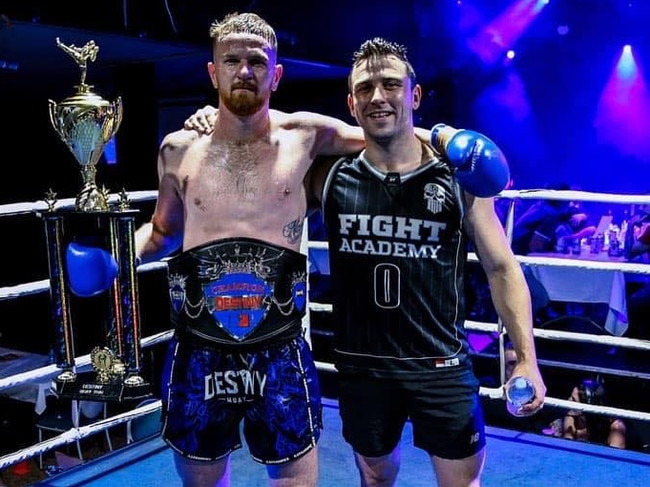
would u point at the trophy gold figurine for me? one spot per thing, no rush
(85, 122)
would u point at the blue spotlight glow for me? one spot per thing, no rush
(626, 67)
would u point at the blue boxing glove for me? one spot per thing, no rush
(480, 167)
(91, 270)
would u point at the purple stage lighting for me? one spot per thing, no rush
(624, 108)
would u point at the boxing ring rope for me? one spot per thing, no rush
(74, 434)
(570, 195)
(81, 362)
(67, 203)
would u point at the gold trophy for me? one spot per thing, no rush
(85, 122)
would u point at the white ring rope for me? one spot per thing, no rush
(50, 371)
(37, 206)
(567, 195)
(497, 393)
(75, 434)
(632, 343)
(581, 264)
(43, 285)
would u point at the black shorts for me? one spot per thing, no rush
(275, 392)
(446, 414)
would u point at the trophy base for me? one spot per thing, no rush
(87, 388)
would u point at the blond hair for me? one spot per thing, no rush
(246, 23)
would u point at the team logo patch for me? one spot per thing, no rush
(434, 195)
(239, 302)
(177, 293)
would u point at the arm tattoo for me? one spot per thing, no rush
(292, 231)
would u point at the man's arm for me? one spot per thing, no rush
(479, 165)
(333, 136)
(508, 289)
(163, 234)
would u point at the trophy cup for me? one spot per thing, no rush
(85, 122)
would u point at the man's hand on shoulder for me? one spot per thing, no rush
(179, 139)
(202, 120)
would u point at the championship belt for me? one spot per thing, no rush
(238, 290)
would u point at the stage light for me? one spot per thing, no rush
(496, 37)
(624, 107)
(510, 54)
(626, 66)
(9, 65)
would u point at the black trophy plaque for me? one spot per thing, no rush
(117, 363)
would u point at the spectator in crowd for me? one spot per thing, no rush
(545, 221)
(549, 226)
(637, 236)
(637, 249)
(591, 427)
(571, 231)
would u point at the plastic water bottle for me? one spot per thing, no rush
(519, 391)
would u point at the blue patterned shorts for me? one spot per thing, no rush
(275, 391)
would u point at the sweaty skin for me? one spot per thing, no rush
(220, 185)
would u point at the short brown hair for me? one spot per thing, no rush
(246, 23)
(379, 46)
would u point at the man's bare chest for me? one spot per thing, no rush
(252, 172)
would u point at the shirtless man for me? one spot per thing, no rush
(231, 205)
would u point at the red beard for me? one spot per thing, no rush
(243, 103)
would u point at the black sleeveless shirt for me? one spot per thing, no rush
(397, 257)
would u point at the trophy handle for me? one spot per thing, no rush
(53, 119)
(118, 110)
